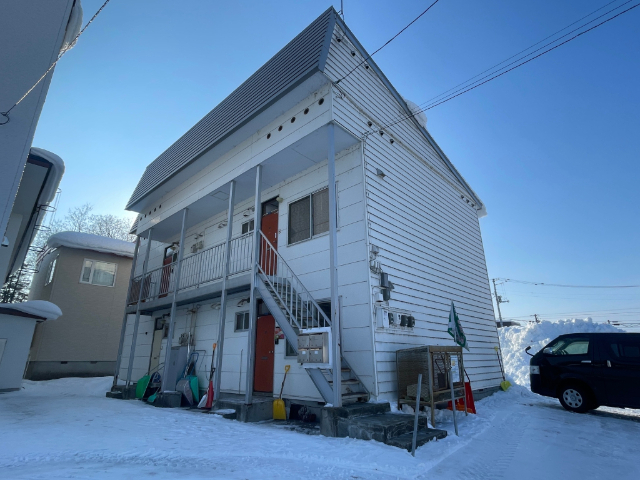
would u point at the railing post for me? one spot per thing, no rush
(251, 337)
(172, 319)
(145, 267)
(126, 315)
(333, 270)
(223, 299)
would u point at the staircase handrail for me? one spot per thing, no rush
(298, 287)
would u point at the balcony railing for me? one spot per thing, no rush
(198, 269)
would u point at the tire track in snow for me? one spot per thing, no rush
(489, 455)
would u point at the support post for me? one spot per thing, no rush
(498, 299)
(453, 398)
(223, 298)
(136, 323)
(251, 337)
(126, 315)
(333, 271)
(417, 413)
(172, 319)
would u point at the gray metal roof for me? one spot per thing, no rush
(301, 58)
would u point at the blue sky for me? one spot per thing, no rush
(552, 148)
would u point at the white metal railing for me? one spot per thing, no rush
(197, 269)
(299, 306)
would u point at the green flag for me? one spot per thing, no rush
(455, 329)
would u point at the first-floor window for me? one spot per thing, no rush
(242, 321)
(309, 216)
(51, 270)
(95, 272)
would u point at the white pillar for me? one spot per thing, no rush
(134, 339)
(251, 337)
(223, 298)
(333, 271)
(172, 320)
(126, 315)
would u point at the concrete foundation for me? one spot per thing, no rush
(373, 421)
(260, 409)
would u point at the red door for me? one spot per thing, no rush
(263, 373)
(268, 259)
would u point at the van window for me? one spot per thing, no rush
(569, 346)
(627, 350)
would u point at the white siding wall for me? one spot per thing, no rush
(142, 353)
(310, 260)
(429, 237)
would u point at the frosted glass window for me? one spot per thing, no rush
(99, 273)
(299, 220)
(320, 211)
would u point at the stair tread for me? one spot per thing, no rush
(424, 436)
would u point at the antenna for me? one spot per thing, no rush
(342, 9)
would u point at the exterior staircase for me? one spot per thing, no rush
(294, 309)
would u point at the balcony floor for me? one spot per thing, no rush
(237, 283)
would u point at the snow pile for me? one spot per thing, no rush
(417, 111)
(68, 387)
(88, 241)
(55, 176)
(39, 308)
(514, 340)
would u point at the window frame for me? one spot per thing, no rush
(250, 227)
(93, 263)
(51, 270)
(235, 321)
(311, 223)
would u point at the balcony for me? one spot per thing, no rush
(200, 278)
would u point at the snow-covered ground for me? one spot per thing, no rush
(68, 429)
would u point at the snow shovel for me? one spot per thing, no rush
(504, 384)
(141, 386)
(207, 399)
(279, 413)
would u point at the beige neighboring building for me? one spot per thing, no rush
(87, 276)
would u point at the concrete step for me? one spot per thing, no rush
(424, 436)
(381, 428)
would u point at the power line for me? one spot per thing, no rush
(452, 96)
(6, 114)
(387, 43)
(542, 284)
(531, 46)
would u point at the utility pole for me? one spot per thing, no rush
(498, 300)
(536, 315)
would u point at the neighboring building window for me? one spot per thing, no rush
(242, 321)
(247, 227)
(98, 273)
(51, 270)
(309, 216)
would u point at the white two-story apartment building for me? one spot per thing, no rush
(311, 198)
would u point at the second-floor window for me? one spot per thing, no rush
(95, 272)
(309, 216)
(247, 227)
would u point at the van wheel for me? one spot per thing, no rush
(575, 398)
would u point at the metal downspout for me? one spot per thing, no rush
(172, 321)
(333, 270)
(251, 337)
(124, 320)
(145, 267)
(223, 299)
